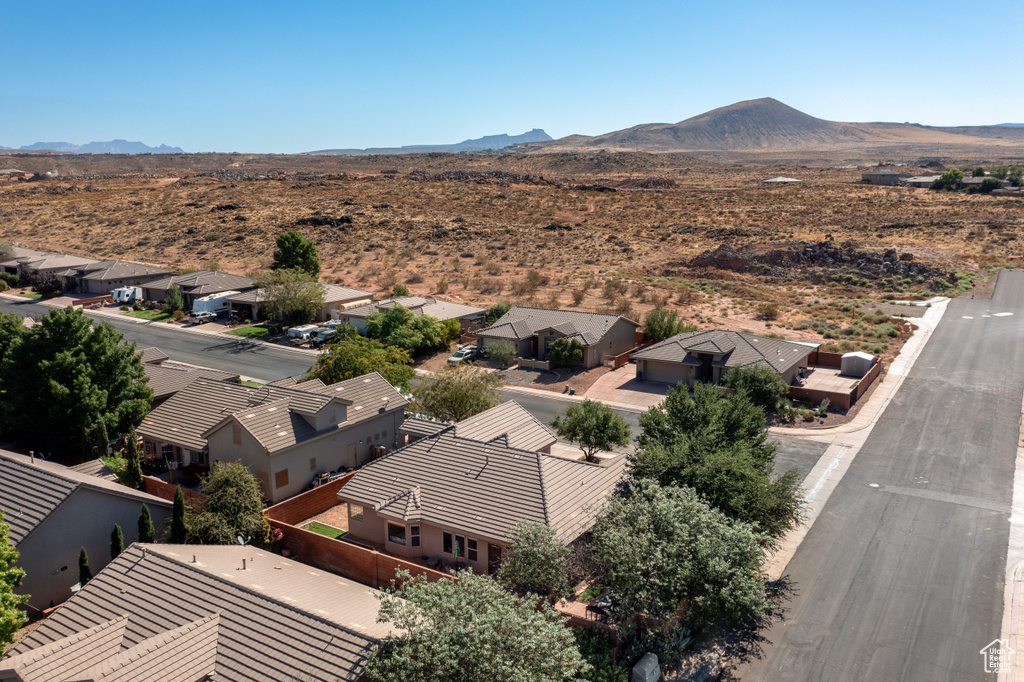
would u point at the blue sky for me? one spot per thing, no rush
(297, 76)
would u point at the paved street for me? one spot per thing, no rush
(901, 576)
(227, 353)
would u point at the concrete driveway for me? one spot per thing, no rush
(621, 387)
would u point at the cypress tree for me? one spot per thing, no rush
(146, 531)
(116, 542)
(133, 470)
(178, 531)
(84, 573)
(102, 437)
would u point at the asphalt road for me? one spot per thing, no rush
(901, 576)
(260, 361)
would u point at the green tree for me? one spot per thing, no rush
(290, 295)
(62, 374)
(147, 533)
(470, 629)
(84, 572)
(565, 353)
(979, 172)
(496, 312)
(12, 332)
(102, 437)
(179, 531)
(174, 300)
(718, 447)
(133, 466)
(763, 385)
(502, 351)
(667, 554)
(295, 252)
(662, 323)
(233, 506)
(1015, 175)
(6, 252)
(536, 560)
(999, 172)
(593, 426)
(12, 618)
(400, 290)
(401, 327)
(952, 178)
(456, 393)
(354, 357)
(116, 542)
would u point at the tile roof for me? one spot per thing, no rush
(118, 269)
(437, 308)
(29, 492)
(332, 294)
(276, 619)
(167, 379)
(521, 323)
(95, 467)
(203, 282)
(50, 261)
(739, 350)
(152, 355)
(415, 426)
(273, 413)
(524, 431)
(484, 488)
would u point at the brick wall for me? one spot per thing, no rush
(838, 400)
(824, 359)
(865, 383)
(164, 490)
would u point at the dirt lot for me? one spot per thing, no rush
(615, 232)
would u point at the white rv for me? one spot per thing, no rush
(126, 294)
(214, 303)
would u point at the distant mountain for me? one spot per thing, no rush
(1011, 125)
(479, 144)
(767, 125)
(112, 147)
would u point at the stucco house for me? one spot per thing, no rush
(469, 316)
(53, 512)
(706, 356)
(195, 285)
(336, 298)
(285, 432)
(28, 262)
(104, 276)
(193, 613)
(531, 331)
(450, 497)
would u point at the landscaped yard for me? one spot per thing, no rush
(323, 529)
(30, 295)
(152, 315)
(253, 332)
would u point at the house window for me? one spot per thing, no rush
(396, 534)
(236, 434)
(355, 513)
(414, 535)
(312, 463)
(384, 434)
(446, 543)
(460, 546)
(202, 458)
(471, 549)
(281, 479)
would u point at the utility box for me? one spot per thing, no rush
(856, 364)
(646, 670)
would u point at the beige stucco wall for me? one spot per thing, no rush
(374, 528)
(342, 448)
(86, 519)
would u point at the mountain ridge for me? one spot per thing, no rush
(487, 142)
(110, 147)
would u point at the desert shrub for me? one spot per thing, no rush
(399, 290)
(767, 311)
(522, 287)
(578, 296)
(502, 352)
(886, 329)
(441, 287)
(3, 285)
(9, 279)
(414, 278)
(661, 324)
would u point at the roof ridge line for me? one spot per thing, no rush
(543, 491)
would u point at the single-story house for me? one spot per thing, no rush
(54, 511)
(336, 298)
(469, 316)
(195, 285)
(531, 331)
(509, 419)
(706, 356)
(452, 497)
(924, 181)
(167, 377)
(104, 276)
(28, 262)
(192, 613)
(881, 177)
(286, 432)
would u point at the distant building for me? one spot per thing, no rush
(881, 177)
(921, 180)
(468, 316)
(781, 180)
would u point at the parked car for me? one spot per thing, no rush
(335, 323)
(201, 316)
(466, 354)
(321, 337)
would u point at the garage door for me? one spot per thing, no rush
(665, 372)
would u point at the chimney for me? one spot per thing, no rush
(193, 558)
(243, 564)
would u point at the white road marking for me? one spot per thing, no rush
(968, 317)
(1002, 314)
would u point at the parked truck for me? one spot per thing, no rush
(126, 294)
(214, 303)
